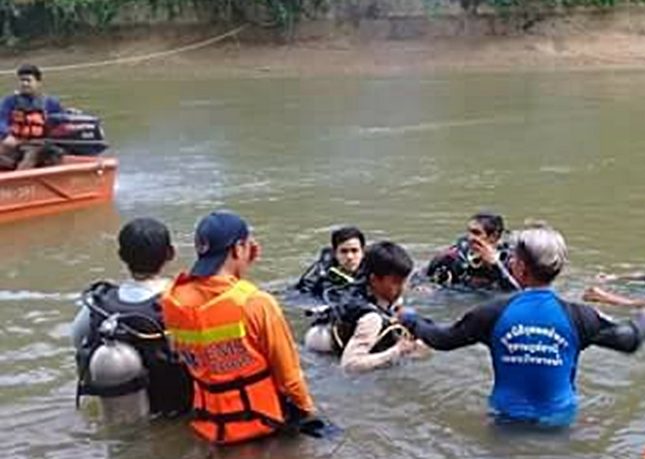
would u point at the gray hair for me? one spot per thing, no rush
(543, 249)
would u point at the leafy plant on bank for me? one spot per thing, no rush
(20, 19)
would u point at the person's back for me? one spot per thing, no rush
(534, 348)
(144, 246)
(234, 339)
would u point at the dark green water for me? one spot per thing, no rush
(407, 159)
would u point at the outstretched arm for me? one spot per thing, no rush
(599, 329)
(601, 295)
(474, 327)
(634, 276)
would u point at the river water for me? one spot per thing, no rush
(404, 158)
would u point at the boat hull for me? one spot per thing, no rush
(78, 182)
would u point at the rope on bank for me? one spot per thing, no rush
(139, 58)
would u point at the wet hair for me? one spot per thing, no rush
(543, 249)
(144, 245)
(387, 259)
(493, 224)
(345, 234)
(29, 69)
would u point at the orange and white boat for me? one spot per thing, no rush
(78, 182)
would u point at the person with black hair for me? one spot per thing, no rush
(361, 325)
(145, 247)
(477, 260)
(23, 119)
(337, 266)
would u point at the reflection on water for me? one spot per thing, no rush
(408, 159)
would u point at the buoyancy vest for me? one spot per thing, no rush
(460, 266)
(325, 277)
(28, 117)
(167, 381)
(344, 317)
(535, 348)
(235, 397)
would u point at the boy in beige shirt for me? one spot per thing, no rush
(363, 327)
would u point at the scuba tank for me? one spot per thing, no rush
(118, 377)
(318, 337)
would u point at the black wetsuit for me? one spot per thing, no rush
(452, 268)
(320, 279)
(534, 338)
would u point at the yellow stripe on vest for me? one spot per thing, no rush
(208, 335)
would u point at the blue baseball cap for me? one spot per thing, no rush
(215, 234)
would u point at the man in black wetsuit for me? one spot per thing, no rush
(464, 263)
(337, 266)
(534, 337)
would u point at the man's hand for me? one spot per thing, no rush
(487, 251)
(595, 294)
(406, 345)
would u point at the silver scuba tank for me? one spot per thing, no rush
(113, 367)
(318, 338)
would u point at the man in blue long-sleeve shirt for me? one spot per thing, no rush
(22, 119)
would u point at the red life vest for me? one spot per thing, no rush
(27, 119)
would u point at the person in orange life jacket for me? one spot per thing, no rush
(145, 247)
(534, 337)
(235, 340)
(22, 118)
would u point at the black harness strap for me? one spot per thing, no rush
(236, 384)
(246, 414)
(135, 384)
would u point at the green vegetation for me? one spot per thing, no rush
(23, 19)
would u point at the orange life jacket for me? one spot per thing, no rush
(27, 119)
(235, 397)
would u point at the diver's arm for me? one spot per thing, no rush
(310, 279)
(473, 327)
(601, 295)
(634, 276)
(441, 268)
(356, 355)
(596, 328)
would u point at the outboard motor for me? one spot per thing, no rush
(118, 377)
(76, 132)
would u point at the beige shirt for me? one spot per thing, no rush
(356, 355)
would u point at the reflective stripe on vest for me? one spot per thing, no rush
(235, 396)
